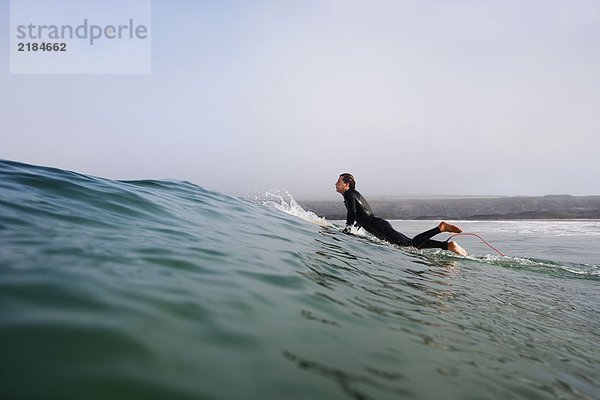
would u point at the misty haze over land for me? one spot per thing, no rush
(473, 208)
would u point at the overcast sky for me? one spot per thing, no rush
(437, 97)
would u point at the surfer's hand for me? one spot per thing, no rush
(347, 229)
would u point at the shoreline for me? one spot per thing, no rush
(493, 220)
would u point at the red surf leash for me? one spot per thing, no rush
(480, 238)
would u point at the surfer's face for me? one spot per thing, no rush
(341, 186)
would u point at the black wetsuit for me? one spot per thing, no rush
(360, 212)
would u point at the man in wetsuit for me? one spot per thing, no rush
(360, 212)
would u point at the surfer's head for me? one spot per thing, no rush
(345, 181)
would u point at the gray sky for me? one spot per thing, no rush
(437, 97)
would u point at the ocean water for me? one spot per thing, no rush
(167, 290)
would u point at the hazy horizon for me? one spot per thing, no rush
(429, 196)
(462, 98)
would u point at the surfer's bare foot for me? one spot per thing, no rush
(446, 227)
(455, 248)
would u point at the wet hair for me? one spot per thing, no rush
(349, 179)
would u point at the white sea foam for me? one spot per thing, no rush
(588, 228)
(574, 268)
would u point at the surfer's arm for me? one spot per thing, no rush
(350, 203)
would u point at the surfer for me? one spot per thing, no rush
(360, 212)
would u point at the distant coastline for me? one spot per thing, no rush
(471, 208)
